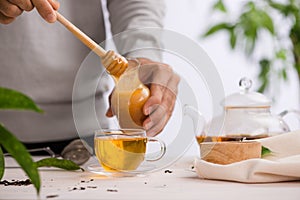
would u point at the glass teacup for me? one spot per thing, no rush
(124, 149)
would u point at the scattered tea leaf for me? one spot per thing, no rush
(11, 99)
(168, 171)
(19, 152)
(16, 182)
(265, 151)
(1, 163)
(51, 196)
(112, 190)
(92, 187)
(59, 163)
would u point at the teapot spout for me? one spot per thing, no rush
(199, 121)
(283, 114)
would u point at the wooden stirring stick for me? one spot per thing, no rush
(114, 63)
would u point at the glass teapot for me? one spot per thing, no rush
(247, 116)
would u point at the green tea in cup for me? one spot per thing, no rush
(124, 149)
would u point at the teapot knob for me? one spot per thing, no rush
(245, 84)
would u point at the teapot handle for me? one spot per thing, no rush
(199, 121)
(285, 113)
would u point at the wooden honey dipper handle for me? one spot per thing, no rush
(81, 36)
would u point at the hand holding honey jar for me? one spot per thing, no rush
(144, 95)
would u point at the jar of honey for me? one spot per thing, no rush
(129, 97)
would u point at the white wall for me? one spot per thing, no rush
(191, 18)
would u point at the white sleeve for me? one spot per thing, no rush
(137, 15)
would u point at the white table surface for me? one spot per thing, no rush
(180, 184)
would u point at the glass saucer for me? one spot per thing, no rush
(142, 170)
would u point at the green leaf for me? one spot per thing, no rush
(282, 8)
(284, 74)
(259, 18)
(251, 21)
(248, 27)
(265, 67)
(18, 151)
(266, 21)
(11, 99)
(2, 165)
(265, 151)
(219, 5)
(281, 54)
(59, 163)
(297, 67)
(233, 39)
(217, 28)
(263, 86)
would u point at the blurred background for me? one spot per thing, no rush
(193, 18)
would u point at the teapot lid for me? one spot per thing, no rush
(245, 98)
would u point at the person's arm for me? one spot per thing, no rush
(11, 9)
(126, 15)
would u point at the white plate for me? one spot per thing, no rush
(143, 169)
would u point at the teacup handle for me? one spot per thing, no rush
(162, 149)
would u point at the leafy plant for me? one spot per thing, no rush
(254, 23)
(10, 99)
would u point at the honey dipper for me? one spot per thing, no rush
(114, 63)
